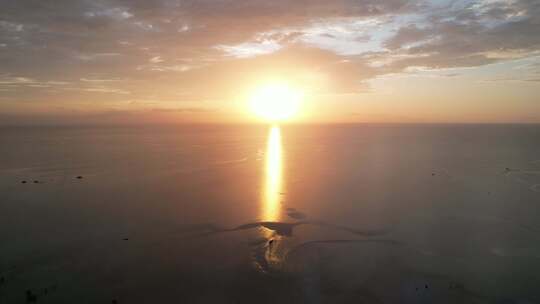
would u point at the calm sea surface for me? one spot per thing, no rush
(269, 214)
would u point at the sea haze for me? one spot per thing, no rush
(269, 214)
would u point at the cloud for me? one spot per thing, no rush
(407, 35)
(250, 49)
(18, 81)
(156, 59)
(183, 110)
(196, 50)
(106, 90)
(100, 80)
(319, 70)
(484, 32)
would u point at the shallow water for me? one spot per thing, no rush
(255, 214)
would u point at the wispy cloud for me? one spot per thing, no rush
(205, 49)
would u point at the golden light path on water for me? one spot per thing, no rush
(271, 207)
(271, 200)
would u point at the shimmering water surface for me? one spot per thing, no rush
(270, 214)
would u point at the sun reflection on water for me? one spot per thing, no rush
(268, 255)
(273, 176)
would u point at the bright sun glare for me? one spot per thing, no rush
(275, 102)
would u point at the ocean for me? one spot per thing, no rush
(352, 213)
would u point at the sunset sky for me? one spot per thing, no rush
(133, 61)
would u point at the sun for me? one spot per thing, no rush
(275, 102)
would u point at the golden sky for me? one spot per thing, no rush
(172, 61)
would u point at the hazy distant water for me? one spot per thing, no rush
(151, 220)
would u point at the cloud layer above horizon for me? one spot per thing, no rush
(195, 58)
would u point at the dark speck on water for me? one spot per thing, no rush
(36, 182)
(125, 239)
(30, 297)
(296, 215)
(23, 182)
(79, 177)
